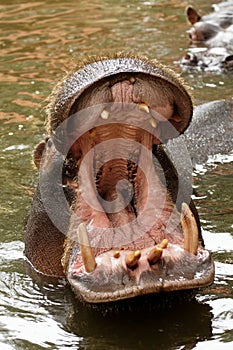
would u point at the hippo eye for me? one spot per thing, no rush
(49, 143)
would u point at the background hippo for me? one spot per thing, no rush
(214, 33)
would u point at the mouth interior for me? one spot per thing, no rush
(121, 188)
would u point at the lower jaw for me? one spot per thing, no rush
(100, 274)
(108, 283)
(123, 274)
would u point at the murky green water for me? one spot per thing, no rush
(39, 40)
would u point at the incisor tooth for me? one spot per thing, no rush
(132, 80)
(153, 123)
(154, 255)
(190, 229)
(144, 107)
(116, 254)
(176, 118)
(132, 258)
(164, 243)
(104, 114)
(85, 248)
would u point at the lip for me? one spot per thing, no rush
(168, 275)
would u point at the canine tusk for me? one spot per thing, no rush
(85, 248)
(190, 229)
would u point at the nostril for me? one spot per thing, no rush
(229, 58)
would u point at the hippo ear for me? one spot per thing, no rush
(192, 15)
(38, 152)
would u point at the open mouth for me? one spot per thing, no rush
(131, 231)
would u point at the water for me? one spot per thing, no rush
(39, 41)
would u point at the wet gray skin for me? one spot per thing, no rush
(216, 59)
(213, 36)
(208, 27)
(111, 213)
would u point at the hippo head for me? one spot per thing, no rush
(201, 30)
(127, 233)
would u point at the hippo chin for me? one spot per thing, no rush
(111, 213)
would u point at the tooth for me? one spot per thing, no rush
(132, 258)
(190, 229)
(116, 254)
(137, 254)
(85, 249)
(144, 107)
(153, 123)
(176, 118)
(154, 255)
(164, 243)
(104, 114)
(132, 80)
(92, 132)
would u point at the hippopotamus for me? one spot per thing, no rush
(208, 26)
(112, 214)
(214, 32)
